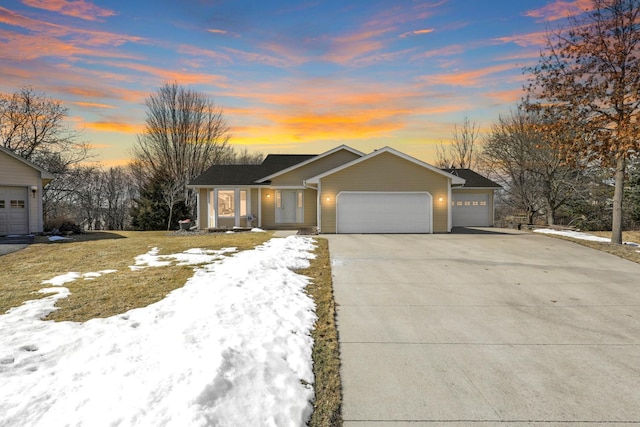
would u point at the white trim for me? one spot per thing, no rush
(387, 192)
(454, 179)
(318, 209)
(259, 207)
(287, 187)
(449, 211)
(199, 209)
(311, 160)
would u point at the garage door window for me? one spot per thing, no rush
(17, 204)
(1, 204)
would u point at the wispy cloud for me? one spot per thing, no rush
(78, 8)
(471, 78)
(455, 49)
(417, 32)
(559, 9)
(525, 40)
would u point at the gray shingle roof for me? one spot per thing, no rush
(473, 179)
(248, 174)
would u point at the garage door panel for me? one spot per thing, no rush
(14, 215)
(384, 212)
(471, 210)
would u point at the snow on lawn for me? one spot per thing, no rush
(574, 234)
(578, 235)
(232, 347)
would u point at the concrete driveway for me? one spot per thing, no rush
(497, 327)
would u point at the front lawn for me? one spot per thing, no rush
(238, 331)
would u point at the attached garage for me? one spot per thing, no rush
(471, 210)
(14, 213)
(21, 185)
(384, 212)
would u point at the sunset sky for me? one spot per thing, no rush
(292, 77)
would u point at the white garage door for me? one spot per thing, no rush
(383, 212)
(470, 210)
(14, 216)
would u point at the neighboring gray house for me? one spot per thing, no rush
(21, 184)
(344, 191)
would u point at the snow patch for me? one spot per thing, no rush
(231, 347)
(193, 256)
(58, 238)
(580, 236)
(573, 234)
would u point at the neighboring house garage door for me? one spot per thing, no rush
(383, 212)
(471, 210)
(14, 216)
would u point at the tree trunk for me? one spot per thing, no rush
(551, 217)
(170, 217)
(616, 228)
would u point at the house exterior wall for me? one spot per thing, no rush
(385, 172)
(296, 176)
(269, 210)
(14, 173)
(203, 208)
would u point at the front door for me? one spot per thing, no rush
(289, 206)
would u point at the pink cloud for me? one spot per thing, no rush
(471, 78)
(525, 40)
(560, 9)
(78, 8)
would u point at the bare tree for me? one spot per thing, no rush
(118, 194)
(589, 74)
(462, 151)
(185, 133)
(34, 127)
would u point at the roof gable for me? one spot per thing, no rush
(311, 160)
(43, 173)
(454, 179)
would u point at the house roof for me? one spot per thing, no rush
(455, 179)
(473, 179)
(47, 176)
(313, 159)
(248, 174)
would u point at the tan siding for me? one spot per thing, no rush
(296, 176)
(385, 172)
(268, 208)
(15, 173)
(203, 209)
(310, 207)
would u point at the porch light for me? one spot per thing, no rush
(328, 199)
(440, 199)
(268, 195)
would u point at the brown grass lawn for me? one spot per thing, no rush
(22, 273)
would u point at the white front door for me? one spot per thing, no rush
(289, 206)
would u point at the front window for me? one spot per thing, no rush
(227, 200)
(226, 203)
